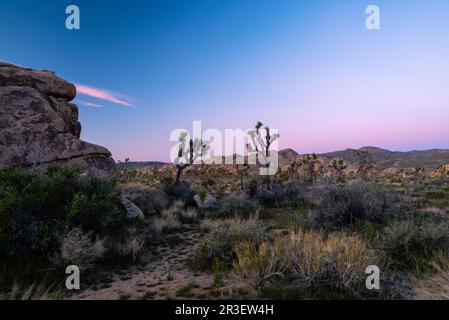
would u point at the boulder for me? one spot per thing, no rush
(45, 82)
(39, 126)
(133, 211)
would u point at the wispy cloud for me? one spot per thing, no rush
(90, 104)
(105, 95)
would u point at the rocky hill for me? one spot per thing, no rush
(429, 159)
(39, 126)
(131, 165)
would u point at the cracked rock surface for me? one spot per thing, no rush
(39, 125)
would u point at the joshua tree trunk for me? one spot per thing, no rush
(179, 169)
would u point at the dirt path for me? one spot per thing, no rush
(165, 276)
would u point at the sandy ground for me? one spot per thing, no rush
(165, 276)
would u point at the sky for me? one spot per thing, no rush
(310, 69)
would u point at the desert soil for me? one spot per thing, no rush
(166, 275)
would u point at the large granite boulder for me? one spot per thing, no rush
(39, 126)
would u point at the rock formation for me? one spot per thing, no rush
(39, 126)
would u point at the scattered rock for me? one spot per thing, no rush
(132, 210)
(209, 201)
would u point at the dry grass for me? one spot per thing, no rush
(33, 292)
(223, 239)
(78, 249)
(307, 259)
(131, 246)
(431, 286)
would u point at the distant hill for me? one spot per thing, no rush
(141, 164)
(429, 159)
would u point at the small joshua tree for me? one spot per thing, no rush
(312, 167)
(188, 153)
(293, 169)
(242, 170)
(365, 165)
(260, 143)
(338, 166)
(282, 176)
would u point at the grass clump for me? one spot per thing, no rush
(307, 260)
(224, 237)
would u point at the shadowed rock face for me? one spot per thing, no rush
(39, 126)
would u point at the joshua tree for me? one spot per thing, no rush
(293, 168)
(365, 164)
(338, 166)
(242, 170)
(188, 153)
(282, 176)
(312, 167)
(260, 144)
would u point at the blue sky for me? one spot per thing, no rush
(308, 68)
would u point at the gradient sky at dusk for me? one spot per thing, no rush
(308, 68)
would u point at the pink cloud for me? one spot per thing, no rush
(104, 95)
(90, 104)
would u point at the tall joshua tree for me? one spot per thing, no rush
(261, 141)
(188, 152)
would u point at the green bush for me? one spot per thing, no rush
(344, 206)
(413, 243)
(238, 206)
(38, 208)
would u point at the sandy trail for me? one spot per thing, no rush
(165, 276)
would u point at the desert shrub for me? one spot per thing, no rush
(252, 185)
(36, 208)
(307, 260)
(180, 191)
(413, 243)
(239, 206)
(280, 195)
(188, 215)
(342, 206)
(80, 249)
(223, 238)
(169, 219)
(148, 200)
